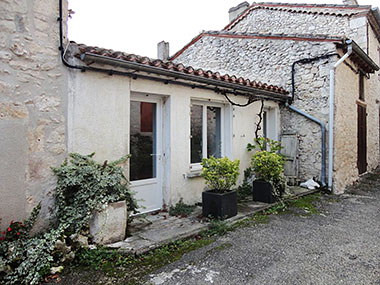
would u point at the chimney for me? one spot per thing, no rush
(350, 2)
(163, 50)
(236, 11)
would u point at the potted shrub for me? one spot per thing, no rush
(221, 175)
(268, 166)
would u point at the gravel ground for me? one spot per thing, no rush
(340, 245)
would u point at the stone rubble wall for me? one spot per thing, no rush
(284, 22)
(270, 61)
(32, 106)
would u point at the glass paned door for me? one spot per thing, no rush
(145, 150)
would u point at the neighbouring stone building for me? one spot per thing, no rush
(265, 40)
(33, 106)
(59, 97)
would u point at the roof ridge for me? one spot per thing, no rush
(314, 5)
(297, 8)
(313, 36)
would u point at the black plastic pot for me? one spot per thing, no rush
(219, 205)
(262, 192)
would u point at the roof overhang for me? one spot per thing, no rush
(359, 57)
(238, 88)
(374, 20)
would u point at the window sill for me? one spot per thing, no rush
(194, 174)
(194, 171)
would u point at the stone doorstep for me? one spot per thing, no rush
(183, 228)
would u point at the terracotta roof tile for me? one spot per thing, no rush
(171, 66)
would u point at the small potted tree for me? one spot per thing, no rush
(221, 175)
(268, 166)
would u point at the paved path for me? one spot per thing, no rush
(341, 245)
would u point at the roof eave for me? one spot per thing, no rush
(364, 62)
(374, 20)
(264, 94)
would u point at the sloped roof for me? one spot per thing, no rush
(236, 35)
(321, 9)
(171, 68)
(243, 50)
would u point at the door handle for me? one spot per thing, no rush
(155, 154)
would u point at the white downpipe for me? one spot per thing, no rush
(331, 108)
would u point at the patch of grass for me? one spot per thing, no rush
(279, 208)
(181, 209)
(217, 228)
(221, 247)
(306, 203)
(372, 176)
(127, 268)
(258, 218)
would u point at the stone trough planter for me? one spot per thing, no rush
(110, 224)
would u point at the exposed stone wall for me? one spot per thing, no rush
(278, 22)
(32, 106)
(270, 61)
(272, 21)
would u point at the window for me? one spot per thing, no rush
(206, 131)
(265, 125)
(361, 86)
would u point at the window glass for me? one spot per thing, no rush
(196, 133)
(143, 140)
(361, 86)
(214, 139)
(265, 124)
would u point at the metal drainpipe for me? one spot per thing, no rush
(323, 138)
(331, 109)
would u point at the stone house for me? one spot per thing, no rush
(296, 46)
(59, 97)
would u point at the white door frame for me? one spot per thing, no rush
(142, 187)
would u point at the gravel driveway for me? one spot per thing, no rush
(339, 245)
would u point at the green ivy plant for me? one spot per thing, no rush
(220, 173)
(83, 186)
(267, 164)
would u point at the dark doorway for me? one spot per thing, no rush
(362, 139)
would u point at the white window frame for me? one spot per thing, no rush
(271, 123)
(197, 166)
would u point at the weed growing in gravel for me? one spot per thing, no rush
(306, 203)
(181, 209)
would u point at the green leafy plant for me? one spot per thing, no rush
(83, 186)
(220, 173)
(267, 164)
(181, 209)
(265, 144)
(245, 189)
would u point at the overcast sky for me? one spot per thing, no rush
(136, 26)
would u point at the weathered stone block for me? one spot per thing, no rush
(110, 224)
